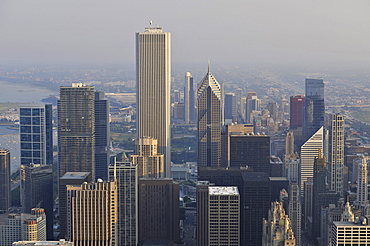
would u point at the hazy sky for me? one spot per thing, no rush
(286, 31)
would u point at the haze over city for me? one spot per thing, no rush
(277, 32)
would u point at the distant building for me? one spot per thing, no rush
(149, 162)
(230, 108)
(25, 226)
(36, 134)
(296, 111)
(272, 108)
(189, 99)
(5, 187)
(277, 228)
(314, 110)
(222, 225)
(210, 118)
(92, 213)
(253, 104)
(37, 191)
(159, 210)
(126, 175)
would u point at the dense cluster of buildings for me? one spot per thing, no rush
(262, 179)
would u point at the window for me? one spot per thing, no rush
(25, 129)
(25, 111)
(35, 112)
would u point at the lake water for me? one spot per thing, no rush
(12, 92)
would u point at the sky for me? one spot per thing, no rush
(248, 31)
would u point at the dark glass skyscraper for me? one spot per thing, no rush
(76, 129)
(314, 111)
(209, 121)
(36, 131)
(102, 135)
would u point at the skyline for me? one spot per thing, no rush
(284, 32)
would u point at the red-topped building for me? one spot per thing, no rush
(296, 111)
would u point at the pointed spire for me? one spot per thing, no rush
(209, 66)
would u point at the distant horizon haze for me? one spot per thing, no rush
(283, 32)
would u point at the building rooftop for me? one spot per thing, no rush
(75, 175)
(223, 190)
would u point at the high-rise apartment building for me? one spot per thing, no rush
(296, 111)
(158, 210)
(69, 178)
(336, 153)
(314, 110)
(36, 134)
(76, 129)
(189, 99)
(37, 192)
(309, 151)
(277, 228)
(210, 119)
(127, 185)
(153, 85)
(102, 135)
(149, 162)
(5, 188)
(23, 226)
(272, 108)
(92, 213)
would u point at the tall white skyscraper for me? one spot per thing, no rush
(153, 84)
(336, 153)
(309, 151)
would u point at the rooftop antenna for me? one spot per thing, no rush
(150, 23)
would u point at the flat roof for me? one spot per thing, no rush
(223, 190)
(75, 175)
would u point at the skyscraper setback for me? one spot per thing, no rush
(153, 84)
(209, 121)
